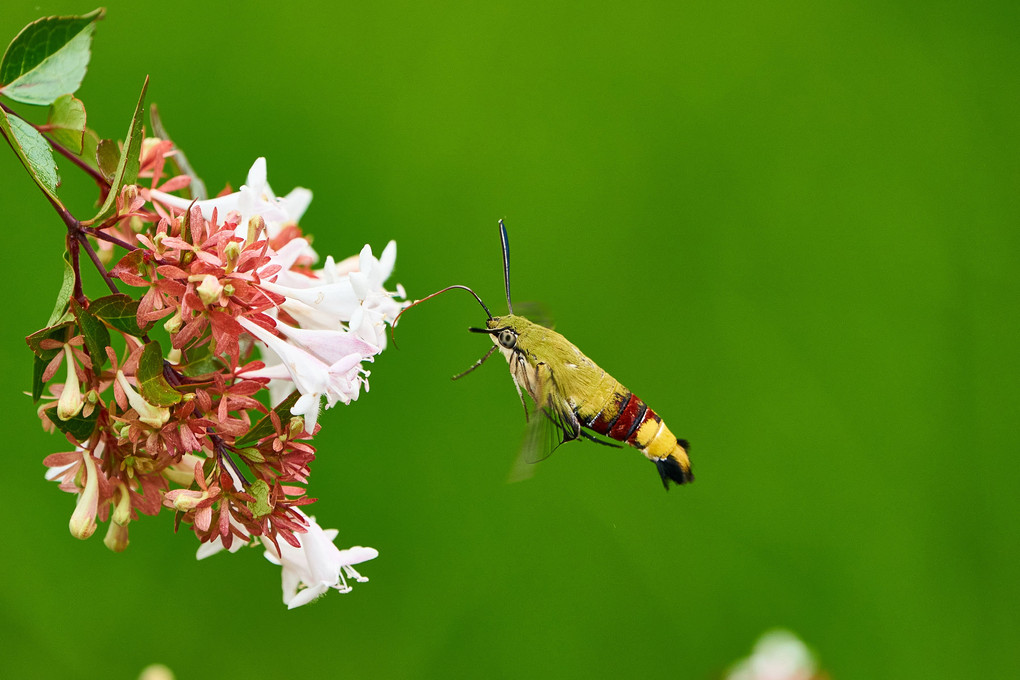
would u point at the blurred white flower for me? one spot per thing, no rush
(318, 565)
(778, 655)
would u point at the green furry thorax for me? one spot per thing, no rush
(573, 370)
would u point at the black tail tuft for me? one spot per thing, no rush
(670, 471)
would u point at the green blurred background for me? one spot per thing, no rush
(792, 229)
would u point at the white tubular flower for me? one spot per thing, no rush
(183, 471)
(254, 199)
(313, 377)
(83, 519)
(329, 345)
(71, 400)
(317, 566)
(153, 416)
(350, 292)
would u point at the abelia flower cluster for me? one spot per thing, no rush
(178, 411)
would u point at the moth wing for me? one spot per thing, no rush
(554, 424)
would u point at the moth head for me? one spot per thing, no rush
(506, 330)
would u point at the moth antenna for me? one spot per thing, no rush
(429, 297)
(506, 264)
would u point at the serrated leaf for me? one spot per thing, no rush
(80, 427)
(130, 161)
(264, 427)
(66, 123)
(107, 158)
(97, 338)
(48, 58)
(34, 151)
(151, 384)
(260, 506)
(120, 311)
(66, 288)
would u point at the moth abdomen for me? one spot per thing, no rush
(626, 418)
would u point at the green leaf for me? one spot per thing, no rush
(151, 383)
(43, 357)
(201, 361)
(66, 123)
(79, 427)
(38, 367)
(250, 453)
(97, 338)
(55, 332)
(130, 161)
(264, 427)
(120, 311)
(48, 58)
(108, 158)
(34, 152)
(66, 288)
(260, 506)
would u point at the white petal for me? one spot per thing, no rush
(208, 549)
(257, 175)
(387, 261)
(305, 596)
(358, 554)
(297, 202)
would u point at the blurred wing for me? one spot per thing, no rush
(536, 312)
(553, 424)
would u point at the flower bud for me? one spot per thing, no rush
(184, 499)
(182, 472)
(232, 253)
(129, 193)
(256, 227)
(83, 519)
(209, 290)
(71, 400)
(295, 427)
(91, 399)
(174, 323)
(174, 356)
(153, 416)
(122, 511)
(116, 537)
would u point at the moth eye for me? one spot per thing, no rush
(507, 338)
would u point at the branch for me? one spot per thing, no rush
(62, 150)
(83, 239)
(77, 160)
(102, 235)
